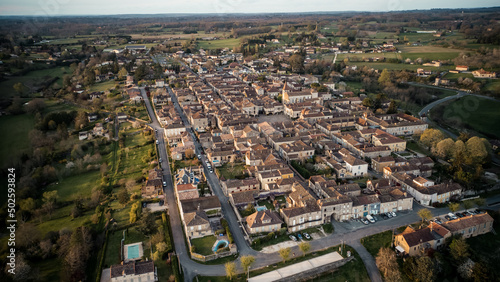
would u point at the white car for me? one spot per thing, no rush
(393, 214)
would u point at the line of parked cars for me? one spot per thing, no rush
(453, 216)
(300, 236)
(371, 219)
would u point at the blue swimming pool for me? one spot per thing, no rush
(220, 244)
(260, 208)
(133, 252)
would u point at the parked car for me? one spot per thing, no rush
(384, 216)
(364, 221)
(459, 215)
(299, 236)
(199, 157)
(447, 217)
(164, 184)
(370, 219)
(211, 171)
(159, 160)
(157, 142)
(452, 216)
(393, 214)
(389, 215)
(292, 238)
(308, 237)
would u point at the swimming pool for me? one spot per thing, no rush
(220, 244)
(133, 252)
(260, 208)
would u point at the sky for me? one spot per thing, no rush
(112, 7)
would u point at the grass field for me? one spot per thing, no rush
(219, 44)
(77, 185)
(231, 172)
(32, 78)
(389, 66)
(476, 113)
(431, 55)
(103, 86)
(374, 242)
(61, 219)
(16, 140)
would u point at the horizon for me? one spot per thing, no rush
(58, 8)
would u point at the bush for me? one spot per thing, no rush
(328, 228)
(256, 242)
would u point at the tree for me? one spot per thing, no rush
(35, 106)
(297, 63)
(189, 153)
(62, 131)
(425, 214)
(122, 73)
(367, 102)
(161, 247)
(284, 253)
(430, 137)
(453, 207)
(384, 78)
(246, 262)
(230, 269)
(304, 247)
(123, 196)
(133, 212)
(480, 272)
(459, 249)
(19, 88)
(27, 204)
(393, 107)
(425, 269)
(386, 262)
(444, 148)
(476, 151)
(81, 120)
(147, 223)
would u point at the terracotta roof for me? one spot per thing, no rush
(467, 222)
(263, 218)
(195, 218)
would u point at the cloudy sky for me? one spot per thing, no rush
(107, 7)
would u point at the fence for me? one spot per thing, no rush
(202, 258)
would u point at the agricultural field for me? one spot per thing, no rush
(218, 44)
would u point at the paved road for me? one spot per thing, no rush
(370, 265)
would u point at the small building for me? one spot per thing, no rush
(484, 74)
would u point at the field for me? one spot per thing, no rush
(218, 44)
(102, 86)
(16, 140)
(32, 79)
(389, 66)
(72, 187)
(473, 112)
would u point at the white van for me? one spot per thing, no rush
(370, 219)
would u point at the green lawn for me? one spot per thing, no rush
(103, 86)
(77, 185)
(61, 219)
(231, 171)
(374, 242)
(49, 269)
(32, 78)
(389, 66)
(203, 246)
(16, 140)
(473, 112)
(218, 44)
(431, 56)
